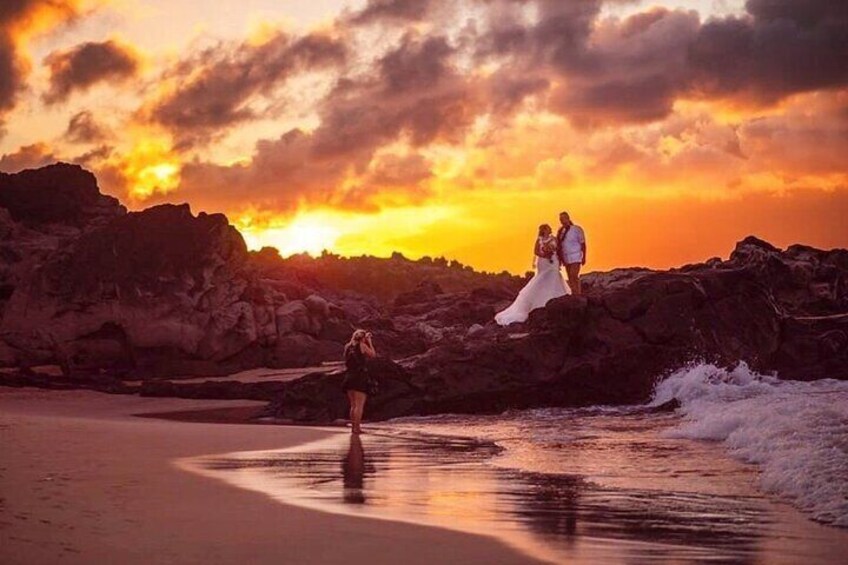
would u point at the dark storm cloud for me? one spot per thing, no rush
(412, 93)
(220, 82)
(563, 30)
(415, 64)
(84, 128)
(805, 12)
(381, 10)
(94, 157)
(10, 74)
(633, 69)
(782, 48)
(86, 64)
(15, 13)
(632, 72)
(604, 70)
(430, 85)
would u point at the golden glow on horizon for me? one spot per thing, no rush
(642, 189)
(305, 234)
(347, 233)
(623, 229)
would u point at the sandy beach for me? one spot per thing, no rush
(83, 480)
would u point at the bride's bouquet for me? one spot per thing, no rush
(546, 247)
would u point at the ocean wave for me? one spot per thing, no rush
(796, 432)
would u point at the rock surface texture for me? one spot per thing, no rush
(114, 297)
(779, 311)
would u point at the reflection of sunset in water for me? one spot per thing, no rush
(618, 508)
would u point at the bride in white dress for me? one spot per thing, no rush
(545, 285)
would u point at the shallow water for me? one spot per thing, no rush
(795, 432)
(601, 484)
(461, 484)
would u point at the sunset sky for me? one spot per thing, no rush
(669, 129)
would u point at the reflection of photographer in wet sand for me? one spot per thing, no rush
(357, 383)
(353, 472)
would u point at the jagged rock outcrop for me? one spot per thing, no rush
(57, 194)
(86, 285)
(108, 294)
(782, 311)
(380, 280)
(149, 282)
(42, 211)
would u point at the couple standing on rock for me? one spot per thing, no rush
(567, 249)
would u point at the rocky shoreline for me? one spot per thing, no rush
(131, 302)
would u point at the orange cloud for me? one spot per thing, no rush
(206, 93)
(27, 157)
(19, 22)
(461, 131)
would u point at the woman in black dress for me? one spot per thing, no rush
(355, 384)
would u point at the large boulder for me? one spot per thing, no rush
(42, 211)
(60, 193)
(314, 316)
(167, 280)
(802, 279)
(814, 347)
(302, 350)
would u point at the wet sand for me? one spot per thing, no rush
(403, 475)
(82, 480)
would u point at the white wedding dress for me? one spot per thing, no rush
(545, 285)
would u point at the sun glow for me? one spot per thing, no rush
(304, 234)
(150, 168)
(349, 233)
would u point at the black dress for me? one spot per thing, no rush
(356, 377)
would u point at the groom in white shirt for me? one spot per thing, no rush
(571, 245)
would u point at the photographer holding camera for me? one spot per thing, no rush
(357, 382)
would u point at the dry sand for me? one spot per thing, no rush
(82, 480)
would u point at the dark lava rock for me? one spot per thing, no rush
(319, 397)
(59, 193)
(611, 346)
(108, 295)
(426, 291)
(161, 279)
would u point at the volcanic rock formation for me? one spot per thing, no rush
(112, 296)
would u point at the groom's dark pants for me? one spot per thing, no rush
(573, 272)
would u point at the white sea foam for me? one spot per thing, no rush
(796, 432)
